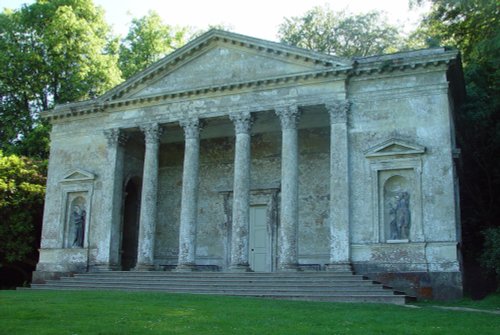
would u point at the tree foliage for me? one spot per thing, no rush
(50, 52)
(22, 190)
(323, 30)
(491, 255)
(148, 40)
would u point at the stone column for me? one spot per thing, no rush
(189, 200)
(339, 187)
(107, 246)
(149, 194)
(288, 248)
(241, 192)
(113, 201)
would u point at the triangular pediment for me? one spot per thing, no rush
(220, 58)
(393, 147)
(78, 175)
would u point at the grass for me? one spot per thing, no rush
(98, 312)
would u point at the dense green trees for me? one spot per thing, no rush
(339, 33)
(22, 191)
(51, 52)
(148, 40)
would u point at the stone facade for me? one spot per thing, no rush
(238, 154)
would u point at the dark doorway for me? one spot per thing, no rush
(130, 234)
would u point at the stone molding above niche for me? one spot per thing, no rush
(78, 175)
(393, 147)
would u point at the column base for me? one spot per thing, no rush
(240, 268)
(185, 268)
(338, 267)
(144, 267)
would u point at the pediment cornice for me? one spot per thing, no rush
(317, 67)
(394, 147)
(78, 175)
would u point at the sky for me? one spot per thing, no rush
(256, 18)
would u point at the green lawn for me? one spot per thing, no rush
(94, 312)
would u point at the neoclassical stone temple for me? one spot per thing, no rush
(238, 154)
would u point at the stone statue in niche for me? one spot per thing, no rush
(78, 223)
(400, 224)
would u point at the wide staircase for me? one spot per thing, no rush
(318, 286)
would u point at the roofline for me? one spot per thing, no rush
(217, 34)
(355, 67)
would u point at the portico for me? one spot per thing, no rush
(282, 123)
(236, 154)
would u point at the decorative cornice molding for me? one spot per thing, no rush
(152, 133)
(329, 68)
(289, 116)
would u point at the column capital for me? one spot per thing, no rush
(338, 110)
(192, 127)
(243, 122)
(115, 136)
(289, 116)
(152, 132)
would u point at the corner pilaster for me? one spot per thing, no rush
(108, 257)
(339, 186)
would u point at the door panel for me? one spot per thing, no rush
(260, 246)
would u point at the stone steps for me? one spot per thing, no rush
(201, 283)
(320, 286)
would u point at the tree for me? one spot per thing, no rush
(473, 27)
(340, 33)
(22, 190)
(51, 52)
(148, 40)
